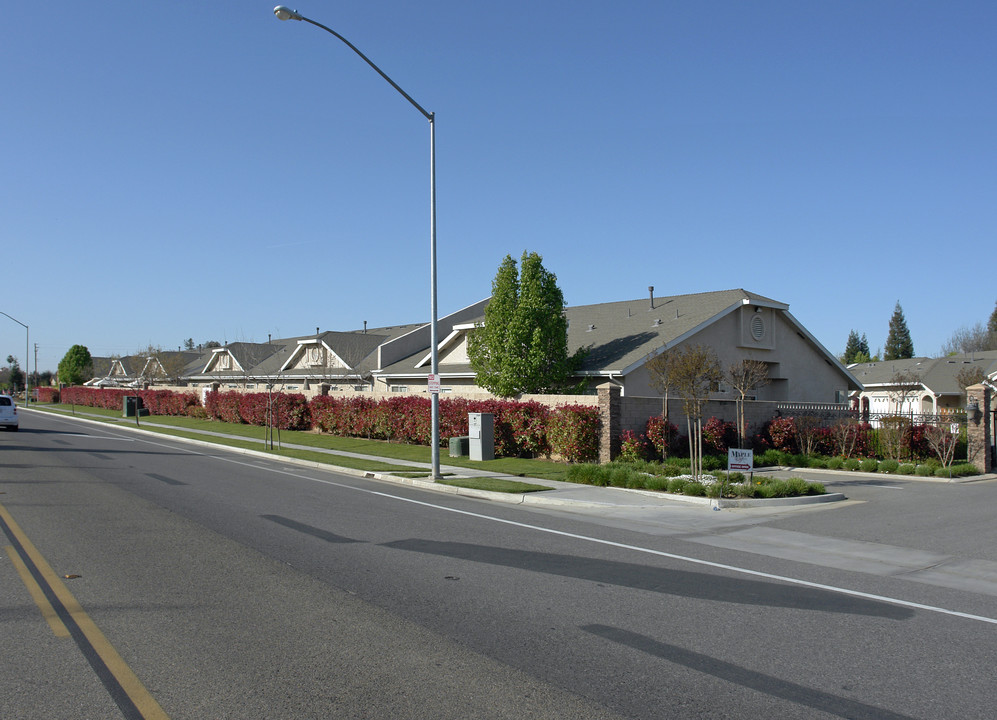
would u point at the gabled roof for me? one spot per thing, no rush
(622, 335)
(938, 375)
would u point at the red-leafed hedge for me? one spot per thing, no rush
(158, 402)
(48, 394)
(290, 410)
(521, 428)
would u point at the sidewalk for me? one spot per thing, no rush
(560, 494)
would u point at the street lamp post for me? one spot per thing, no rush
(285, 13)
(27, 360)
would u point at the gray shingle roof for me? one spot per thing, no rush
(938, 375)
(622, 334)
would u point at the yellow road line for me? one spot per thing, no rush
(129, 682)
(48, 612)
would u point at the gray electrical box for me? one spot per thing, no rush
(481, 427)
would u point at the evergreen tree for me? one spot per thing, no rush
(864, 355)
(523, 345)
(851, 348)
(76, 366)
(899, 346)
(992, 323)
(488, 347)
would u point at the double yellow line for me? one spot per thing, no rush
(68, 620)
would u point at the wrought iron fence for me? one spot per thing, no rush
(908, 437)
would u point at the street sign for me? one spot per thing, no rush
(434, 383)
(740, 460)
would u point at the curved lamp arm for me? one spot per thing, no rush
(285, 13)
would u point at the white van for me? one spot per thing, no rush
(8, 413)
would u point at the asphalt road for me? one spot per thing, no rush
(216, 585)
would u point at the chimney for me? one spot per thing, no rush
(650, 289)
(316, 331)
(269, 338)
(364, 327)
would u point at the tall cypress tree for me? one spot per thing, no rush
(523, 345)
(992, 323)
(489, 347)
(540, 329)
(899, 346)
(851, 348)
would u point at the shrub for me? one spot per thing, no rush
(817, 462)
(712, 462)
(835, 463)
(888, 466)
(718, 435)
(781, 433)
(960, 470)
(852, 464)
(573, 432)
(869, 465)
(677, 485)
(633, 447)
(656, 483)
(906, 469)
(663, 437)
(773, 489)
(797, 486)
(694, 489)
(769, 458)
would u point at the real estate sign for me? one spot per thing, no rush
(740, 460)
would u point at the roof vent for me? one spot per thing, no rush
(591, 328)
(657, 322)
(650, 289)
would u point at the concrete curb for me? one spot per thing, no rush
(859, 474)
(529, 498)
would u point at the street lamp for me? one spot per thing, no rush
(27, 360)
(285, 13)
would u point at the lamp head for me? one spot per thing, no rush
(285, 13)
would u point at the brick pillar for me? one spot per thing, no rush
(609, 421)
(978, 432)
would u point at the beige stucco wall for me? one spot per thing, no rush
(797, 368)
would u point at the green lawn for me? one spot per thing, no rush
(253, 436)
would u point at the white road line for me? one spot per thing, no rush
(649, 551)
(623, 546)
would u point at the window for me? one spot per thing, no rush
(399, 388)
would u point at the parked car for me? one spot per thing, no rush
(8, 413)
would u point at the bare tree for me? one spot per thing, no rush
(659, 371)
(695, 373)
(846, 435)
(807, 429)
(745, 376)
(972, 375)
(942, 443)
(904, 386)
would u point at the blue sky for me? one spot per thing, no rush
(203, 170)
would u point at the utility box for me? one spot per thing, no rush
(481, 427)
(459, 446)
(132, 405)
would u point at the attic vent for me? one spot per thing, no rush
(757, 327)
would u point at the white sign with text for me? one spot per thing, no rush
(740, 460)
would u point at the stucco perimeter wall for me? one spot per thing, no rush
(635, 411)
(315, 389)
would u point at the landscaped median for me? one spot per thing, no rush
(410, 462)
